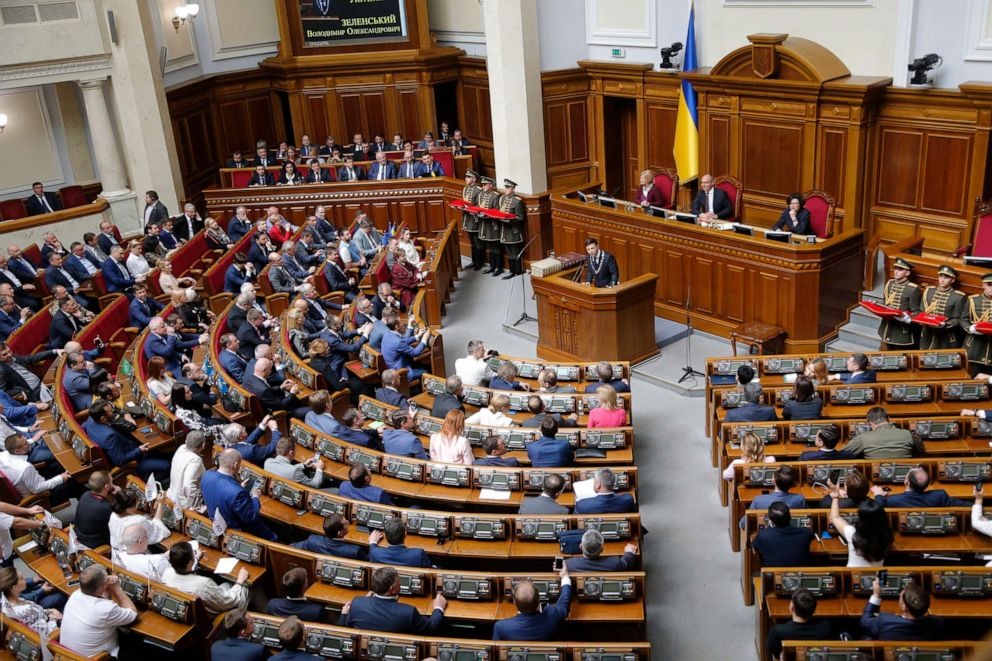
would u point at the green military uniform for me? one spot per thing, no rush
(905, 296)
(470, 222)
(885, 442)
(489, 228)
(512, 231)
(949, 303)
(978, 345)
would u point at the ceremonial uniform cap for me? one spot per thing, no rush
(901, 263)
(987, 277)
(488, 180)
(947, 270)
(471, 173)
(507, 182)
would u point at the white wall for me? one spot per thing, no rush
(458, 23)
(30, 150)
(561, 25)
(961, 33)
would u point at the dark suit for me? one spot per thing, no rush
(509, 462)
(385, 614)
(233, 364)
(274, 399)
(237, 649)
(607, 503)
(810, 410)
(92, 519)
(158, 213)
(801, 226)
(22, 298)
(335, 547)
(814, 629)
(399, 555)
(550, 453)
(258, 255)
(35, 206)
(62, 329)
(435, 170)
(77, 269)
(231, 163)
(234, 277)
(250, 337)
(390, 171)
(266, 180)
(407, 170)
(322, 176)
(783, 547)
(931, 498)
(303, 609)
(378, 305)
(106, 242)
(139, 313)
(887, 626)
(391, 397)
(77, 388)
(536, 626)
(19, 267)
(541, 505)
(169, 347)
(617, 385)
(868, 376)
(238, 508)
(368, 493)
(236, 229)
(235, 318)
(749, 412)
(184, 227)
(121, 450)
(10, 322)
(357, 173)
(579, 564)
(10, 379)
(722, 206)
(607, 272)
(116, 276)
(825, 455)
(445, 403)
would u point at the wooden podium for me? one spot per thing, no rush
(578, 322)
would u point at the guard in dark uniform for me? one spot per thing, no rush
(949, 302)
(979, 345)
(489, 228)
(512, 231)
(470, 222)
(904, 295)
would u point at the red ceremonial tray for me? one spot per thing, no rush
(499, 215)
(882, 311)
(458, 204)
(984, 327)
(474, 209)
(934, 320)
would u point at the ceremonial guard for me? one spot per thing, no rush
(489, 228)
(901, 294)
(946, 301)
(470, 221)
(512, 231)
(979, 345)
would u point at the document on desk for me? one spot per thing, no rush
(493, 494)
(226, 566)
(584, 489)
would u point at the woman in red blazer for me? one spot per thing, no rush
(648, 195)
(404, 277)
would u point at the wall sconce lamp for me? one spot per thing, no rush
(186, 12)
(3, 121)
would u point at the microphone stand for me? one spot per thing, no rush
(523, 289)
(688, 372)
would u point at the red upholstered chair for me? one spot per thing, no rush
(821, 212)
(983, 232)
(733, 188)
(382, 272)
(667, 182)
(72, 196)
(11, 209)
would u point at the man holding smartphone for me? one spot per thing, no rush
(240, 507)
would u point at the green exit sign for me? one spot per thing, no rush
(618, 52)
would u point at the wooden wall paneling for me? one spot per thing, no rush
(944, 184)
(660, 140)
(407, 109)
(315, 110)
(831, 157)
(731, 293)
(899, 157)
(569, 137)
(772, 157)
(719, 146)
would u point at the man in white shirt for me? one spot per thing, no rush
(17, 466)
(93, 613)
(135, 556)
(187, 469)
(474, 367)
(217, 598)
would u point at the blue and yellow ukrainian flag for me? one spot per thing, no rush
(687, 124)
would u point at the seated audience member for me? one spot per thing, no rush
(916, 495)
(495, 448)
(134, 555)
(505, 378)
(384, 300)
(404, 276)
(606, 500)
(826, 447)
(163, 341)
(885, 440)
(187, 410)
(610, 412)
(152, 248)
(15, 371)
(816, 370)
(169, 283)
(401, 441)
(24, 600)
(752, 452)
(367, 238)
(794, 218)
(282, 465)
(230, 360)
(291, 636)
(474, 367)
(22, 282)
(359, 487)
(449, 445)
(76, 381)
(52, 245)
(450, 399)
(126, 513)
(549, 451)
(41, 201)
(222, 491)
(869, 538)
(259, 250)
(17, 467)
(351, 430)
(294, 584)
(857, 371)
(283, 398)
(785, 479)
(94, 510)
(159, 383)
(136, 263)
(428, 167)
(853, 492)
(547, 381)
(289, 176)
(648, 195)
(239, 272)
(237, 161)
(236, 437)
(910, 623)
(802, 626)
(751, 409)
(532, 622)
(592, 560)
(119, 449)
(546, 502)
(261, 177)
(494, 415)
(237, 627)
(13, 317)
(319, 416)
(330, 357)
(143, 307)
(407, 245)
(745, 375)
(187, 470)
(115, 273)
(217, 598)
(379, 326)
(397, 552)
(389, 392)
(332, 542)
(94, 612)
(604, 370)
(399, 352)
(339, 280)
(382, 610)
(67, 319)
(349, 171)
(780, 544)
(804, 404)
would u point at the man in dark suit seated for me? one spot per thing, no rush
(349, 171)
(121, 450)
(782, 544)
(857, 371)
(916, 495)
(261, 177)
(785, 479)
(751, 409)
(606, 500)
(294, 585)
(388, 393)
(401, 440)
(15, 371)
(912, 621)
(56, 274)
(801, 627)
(81, 265)
(115, 274)
(163, 341)
(535, 405)
(397, 552)
(382, 610)
(604, 372)
(332, 541)
(106, 239)
(546, 503)
(76, 381)
(531, 621)
(252, 333)
(275, 399)
(41, 201)
(601, 266)
(239, 225)
(291, 634)
(239, 272)
(232, 362)
(223, 490)
(359, 487)
(384, 299)
(12, 317)
(235, 646)
(428, 167)
(143, 307)
(382, 169)
(826, 444)
(21, 283)
(450, 399)
(711, 203)
(495, 448)
(237, 160)
(547, 381)
(592, 560)
(548, 451)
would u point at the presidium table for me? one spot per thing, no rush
(719, 278)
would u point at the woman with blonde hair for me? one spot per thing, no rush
(217, 238)
(168, 283)
(609, 413)
(493, 415)
(648, 195)
(752, 452)
(449, 445)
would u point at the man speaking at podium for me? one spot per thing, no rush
(601, 266)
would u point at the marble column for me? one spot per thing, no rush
(513, 59)
(107, 156)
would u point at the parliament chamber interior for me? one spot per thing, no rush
(323, 325)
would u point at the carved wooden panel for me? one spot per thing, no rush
(830, 168)
(556, 131)
(946, 163)
(319, 122)
(674, 281)
(733, 301)
(772, 156)
(578, 141)
(718, 154)
(660, 135)
(899, 155)
(234, 127)
(408, 115)
(703, 275)
(354, 121)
